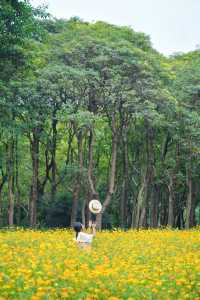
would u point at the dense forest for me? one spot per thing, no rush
(92, 111)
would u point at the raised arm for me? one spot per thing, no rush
(92, 226)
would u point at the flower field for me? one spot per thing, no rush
(145, 264)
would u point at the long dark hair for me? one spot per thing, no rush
(77, 228)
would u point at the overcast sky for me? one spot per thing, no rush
(173, 25)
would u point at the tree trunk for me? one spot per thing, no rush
(141, 204)
(150, 174)
(34, 148)
(18, 206)
(53, 157)
(93, 193)
(164, 209)
(75, 196)
(83, 215)
(154, 206)
(133, 214)
(1, 210)
(190, 201)
(111, 176)
(10, 172)
(78, 181)
(170, 221)
(143, 201)
(48, 165)
(190, 205)
(2, 182)
(138, 207)
(124, 198)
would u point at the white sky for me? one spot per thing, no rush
(173, 25)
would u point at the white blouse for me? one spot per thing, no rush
(84, 238)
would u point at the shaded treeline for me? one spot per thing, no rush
(91, 111)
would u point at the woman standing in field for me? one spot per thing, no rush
(84, 239)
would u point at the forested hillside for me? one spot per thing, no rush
(92, 111)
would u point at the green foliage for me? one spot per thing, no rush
(62, 81)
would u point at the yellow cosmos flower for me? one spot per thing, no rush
(133, 265)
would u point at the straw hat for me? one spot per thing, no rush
(95, 206)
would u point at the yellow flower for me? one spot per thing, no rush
(164, 263)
